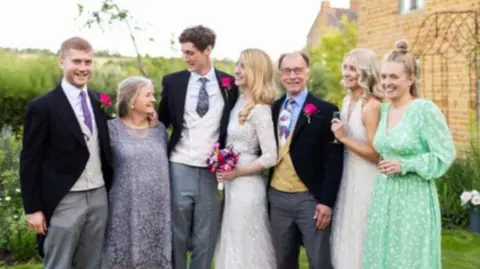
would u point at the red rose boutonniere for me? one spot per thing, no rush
(106, 103)
(309, 110)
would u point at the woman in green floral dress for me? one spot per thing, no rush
(413, 139)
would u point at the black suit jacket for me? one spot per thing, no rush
(172, 104)
(54, 152)
(317, 161)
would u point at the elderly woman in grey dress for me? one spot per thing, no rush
(138, 232)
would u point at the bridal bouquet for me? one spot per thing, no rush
(222, 160)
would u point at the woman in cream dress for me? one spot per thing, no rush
(359, 119)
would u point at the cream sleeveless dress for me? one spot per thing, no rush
(350, 212)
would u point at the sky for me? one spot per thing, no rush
(275, 26)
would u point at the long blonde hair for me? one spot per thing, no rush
(259, 75)
(367, 65)
(401, 55)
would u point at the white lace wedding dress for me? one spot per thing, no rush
(245, 241)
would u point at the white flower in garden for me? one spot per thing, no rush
(15, 217)
(466, 197)
(8, 198)
(475, 193)
(17, 190)
(476, 200)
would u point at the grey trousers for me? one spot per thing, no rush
(291, 216)
(195, 215)
(75, 235)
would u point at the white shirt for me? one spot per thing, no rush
(91, 177)
(199, 134)
(73, 96)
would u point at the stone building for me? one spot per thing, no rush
(445, 37)
(329, 17)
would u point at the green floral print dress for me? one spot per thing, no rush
(403, 229)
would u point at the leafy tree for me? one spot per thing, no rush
(327, 57)
(110, 13)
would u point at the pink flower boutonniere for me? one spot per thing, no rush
(309, 110)
(106, 103)
(226, 83)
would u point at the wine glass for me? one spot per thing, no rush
(336, 115)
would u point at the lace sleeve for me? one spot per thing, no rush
(263, 125)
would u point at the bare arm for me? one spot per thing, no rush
(370, 117)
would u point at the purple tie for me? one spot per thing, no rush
(86, 112)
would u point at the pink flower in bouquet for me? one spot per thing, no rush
(222, 160)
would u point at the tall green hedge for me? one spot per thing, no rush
(21, 79)
(26, 76)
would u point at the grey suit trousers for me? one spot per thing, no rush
(75, 235)
(291, 216)
(195, 215)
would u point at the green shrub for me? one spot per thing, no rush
(21, 79)
(463, 175)
(26, 76)
(15, 236)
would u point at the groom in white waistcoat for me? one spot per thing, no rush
(197, 104)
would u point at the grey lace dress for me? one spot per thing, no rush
(138, 234)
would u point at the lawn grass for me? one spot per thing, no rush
(460, 250)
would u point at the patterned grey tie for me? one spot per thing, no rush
(202, 103)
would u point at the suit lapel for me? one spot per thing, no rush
(65, 111)
(100, 120)
(275, 113)
(223, 90)
(180, 93)
(301, 119)
(98, 114)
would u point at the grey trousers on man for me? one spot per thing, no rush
(195, 215)
(291, 216)
(75, 236)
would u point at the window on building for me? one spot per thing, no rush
(411, 5)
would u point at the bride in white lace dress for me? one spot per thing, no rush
(245, 241)
(360, 115)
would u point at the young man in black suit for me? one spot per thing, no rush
(305, 181)
(65, 165)
(197, 104)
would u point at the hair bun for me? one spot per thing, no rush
(401, 46)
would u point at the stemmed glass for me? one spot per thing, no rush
(336, 115)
